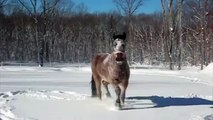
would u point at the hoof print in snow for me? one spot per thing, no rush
(17, 92)
(1, 94)
(5, 96)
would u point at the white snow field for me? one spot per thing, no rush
(63, 93)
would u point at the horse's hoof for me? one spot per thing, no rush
(118, 105)
(94, 96)
(108, 95)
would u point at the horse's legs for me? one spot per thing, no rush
(118, 92)
(93, 87)
(122, 94)
(98, 86)
(107, 89)
(105, 84)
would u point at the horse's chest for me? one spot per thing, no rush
(117, 74)
(111, 74)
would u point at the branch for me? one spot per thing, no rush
(2, 3)
(51, 7)
(163, 7)
(129, 7)
(22, 3)
(138, 4)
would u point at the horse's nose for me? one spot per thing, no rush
(120, 56)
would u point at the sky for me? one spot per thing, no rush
(150, 6)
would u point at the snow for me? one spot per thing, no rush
(63, 93)
(208, 69)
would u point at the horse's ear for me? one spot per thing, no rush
(124, 35)
(114, 36)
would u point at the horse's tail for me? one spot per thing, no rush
(93, 87)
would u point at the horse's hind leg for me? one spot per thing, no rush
(93, 87)
(105, 84)
(98, 86)
(107, 89)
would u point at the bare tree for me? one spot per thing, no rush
(201, 12)
(47, 6)
(32, 6)
(167, 35)
(3, 3)
(129, 8)
(171, 20)
(180, 43)
(171, 34)
(37, 30)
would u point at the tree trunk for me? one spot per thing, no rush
(180, 47)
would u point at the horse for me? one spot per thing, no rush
(111, 69)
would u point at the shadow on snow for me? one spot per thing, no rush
(159, 101)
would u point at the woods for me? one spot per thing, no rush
(46, 31)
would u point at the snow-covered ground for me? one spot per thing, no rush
(63, 93)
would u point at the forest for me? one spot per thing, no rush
(45, 31)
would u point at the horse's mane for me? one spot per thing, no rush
(120, 36)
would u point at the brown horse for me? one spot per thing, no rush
(111, 69)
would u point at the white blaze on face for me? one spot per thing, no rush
(119, 45)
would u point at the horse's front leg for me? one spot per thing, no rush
(105, 84)
(118, 92)
(122, 93)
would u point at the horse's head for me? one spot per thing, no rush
(119, 44)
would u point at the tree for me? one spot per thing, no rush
(180, 32)
(199, 26)
(49, 30)
(128, 8)
(3, 3)
(168, 31)
(32, 6)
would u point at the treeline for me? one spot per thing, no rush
(180, 34)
